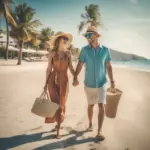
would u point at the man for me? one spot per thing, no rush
(97, 61)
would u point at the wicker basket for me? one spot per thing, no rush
(112, 101)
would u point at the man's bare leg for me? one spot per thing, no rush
(100, 120)
(90, 116)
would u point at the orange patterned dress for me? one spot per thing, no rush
(58, 84)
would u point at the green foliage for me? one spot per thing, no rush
(44, 37)
(91, 16)
(25, 29)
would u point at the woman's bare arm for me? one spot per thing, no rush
(70, 64)
(49, 67)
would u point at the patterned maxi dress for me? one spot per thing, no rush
(58, 84)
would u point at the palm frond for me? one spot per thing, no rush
(4, 8)
(91, 16)
(96, 23)
(10, 18)
(33, 33)
(26, 36)
(25, 29)
(82, 25)
(45, 35)
(24, 13)
(34, 23)
(85, 16)
(35, 42)
(93, 11)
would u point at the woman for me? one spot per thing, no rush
(56, 77)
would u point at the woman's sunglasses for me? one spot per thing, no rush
(65, 38)
(88, 35)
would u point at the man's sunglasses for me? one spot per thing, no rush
(88, 35)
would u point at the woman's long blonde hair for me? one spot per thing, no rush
(56, 44)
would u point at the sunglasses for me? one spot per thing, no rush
(88, 35)
(65, 38)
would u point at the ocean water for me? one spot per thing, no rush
(143, 65)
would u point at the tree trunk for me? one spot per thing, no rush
(20, 53)
(5, 15)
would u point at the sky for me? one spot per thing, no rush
(126, 23)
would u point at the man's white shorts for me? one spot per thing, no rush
(95, 95)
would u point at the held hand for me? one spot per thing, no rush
(75, 82)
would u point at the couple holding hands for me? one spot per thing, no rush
(97, 64)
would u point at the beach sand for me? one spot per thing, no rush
(20, 129)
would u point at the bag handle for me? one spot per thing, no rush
(112, 90)
(46, 93)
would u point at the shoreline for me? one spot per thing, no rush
(9, 65)
(129, 67)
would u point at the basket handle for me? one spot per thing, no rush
(112, 90)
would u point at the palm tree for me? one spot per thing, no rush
(46, 34)
(91, 16)
(25, 30)
(6, 12)
(33, 44)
